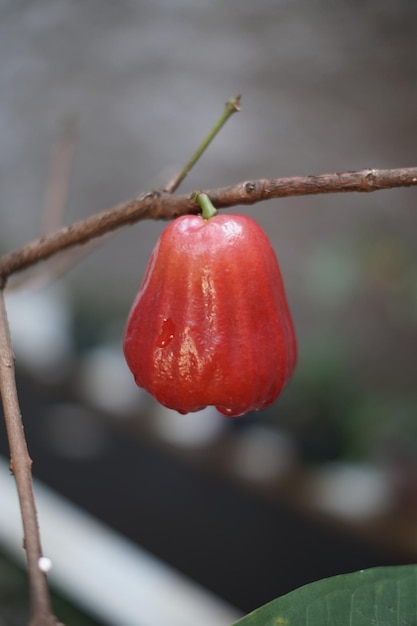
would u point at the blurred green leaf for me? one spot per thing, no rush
(383, 596)
(384, 421)
(332, 275)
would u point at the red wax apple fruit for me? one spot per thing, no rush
(211, 324)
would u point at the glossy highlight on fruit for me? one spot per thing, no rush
(211, 324)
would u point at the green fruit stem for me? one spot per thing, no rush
(207, 208)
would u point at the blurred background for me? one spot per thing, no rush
(100, 101)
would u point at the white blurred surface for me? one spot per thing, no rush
(101, 571)
(106, 382)
(354, 492)
(263, 454)
(40, 326)
(190, 430)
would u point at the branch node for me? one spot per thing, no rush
(371, 178)
(250, 187)
(149, 195)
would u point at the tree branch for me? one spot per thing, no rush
(20, 465)
(163, 205)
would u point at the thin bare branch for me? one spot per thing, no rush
(56, 193)
(55, 204)
(163, 205)
(20, 465)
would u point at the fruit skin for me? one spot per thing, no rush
(211, 324)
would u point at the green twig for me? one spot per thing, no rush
(232, 106)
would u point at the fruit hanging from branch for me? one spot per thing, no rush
(211, 324)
